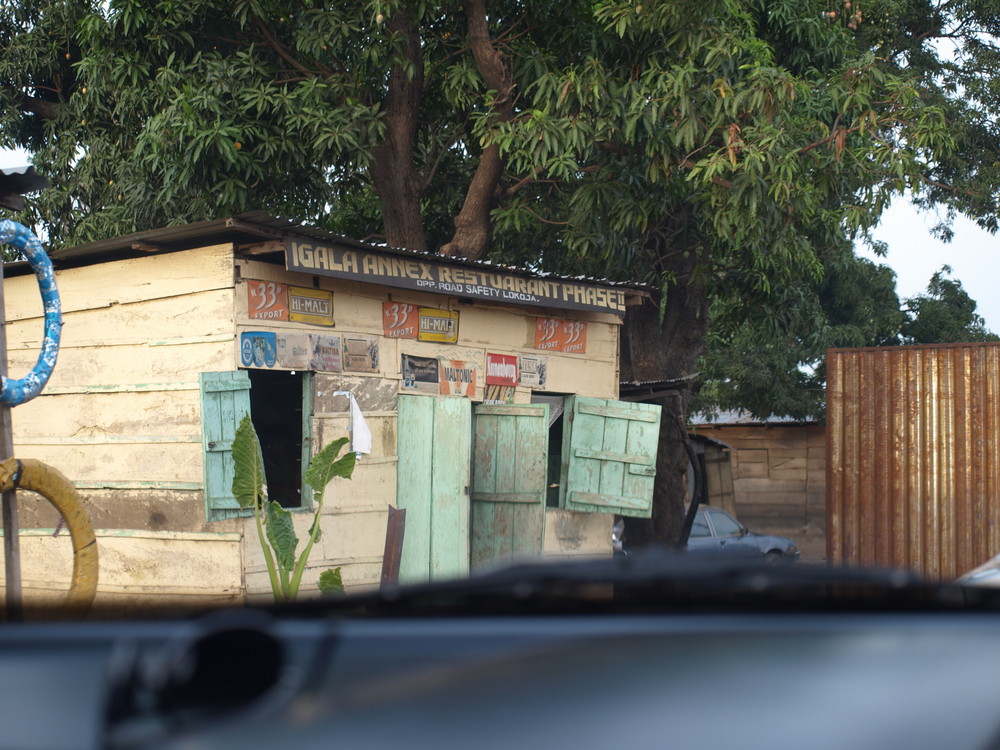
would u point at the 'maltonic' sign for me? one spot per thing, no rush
(426, 274)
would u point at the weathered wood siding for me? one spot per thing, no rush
(120, 417)
(778, 474)
(137, 567)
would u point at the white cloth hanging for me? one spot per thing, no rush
(361, 436)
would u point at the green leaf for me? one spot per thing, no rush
(330, 582)
(316, 531)
(325, 465)
(248, 476)
(281, 534)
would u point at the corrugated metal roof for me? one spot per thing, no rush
(261, 225)
(739, 417)
(15, 182)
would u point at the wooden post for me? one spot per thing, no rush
(11, 527)
(395, 529)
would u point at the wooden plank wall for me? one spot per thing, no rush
(137, 568)
(779, 475)
(120, 416)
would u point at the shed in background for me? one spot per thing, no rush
(777, 469)
(913, 458)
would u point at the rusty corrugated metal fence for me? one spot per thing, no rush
(913, 457)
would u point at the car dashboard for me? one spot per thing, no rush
(519, 664)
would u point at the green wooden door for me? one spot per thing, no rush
(609, 456)
(225, 398)
(434, 436)
(509, 462)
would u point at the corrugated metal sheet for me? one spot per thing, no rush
(913, 457)
(260, 225)
(732, 417)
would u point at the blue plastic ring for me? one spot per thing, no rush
(15, 392)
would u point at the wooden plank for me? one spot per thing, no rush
(394, 535)
(505, 497)
(415, 436)
(450, 471)
(132, 280)
(130, 365)
(90, 417)
(8, 499)
(617, 411)
(537, 410)
(168, 462)
(607, 501)
(207, 313)
(616, 456)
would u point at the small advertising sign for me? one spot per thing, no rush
(553, 334)
(438, 325)
(325, 352)
(533, 370)
(314, 306)
(266, 300)
(360, 353)
(399, 320)
(258, 349)
(458, 378)
(294, 351)
(420, 374)
(501, 369)
(499, 394)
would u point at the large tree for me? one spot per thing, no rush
(945, 314)
(724, 151)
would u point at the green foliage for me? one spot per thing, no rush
(330, 582)
(946, 314)
(275, 530)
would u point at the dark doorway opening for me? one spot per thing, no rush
(276, 406)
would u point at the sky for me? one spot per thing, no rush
(973, 254)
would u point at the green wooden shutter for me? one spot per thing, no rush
(225, 398)
(434, 436)
(609, 456)
(509, 463)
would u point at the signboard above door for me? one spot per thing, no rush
(424, 273)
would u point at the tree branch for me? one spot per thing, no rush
(472, 225)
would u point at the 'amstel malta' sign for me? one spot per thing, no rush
(426, 274)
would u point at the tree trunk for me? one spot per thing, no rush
(472, 225)
(398, 183)
(665, 354)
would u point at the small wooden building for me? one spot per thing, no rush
(489, 392)
(776, 470)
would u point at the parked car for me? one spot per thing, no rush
(987, 574)
(715, 532)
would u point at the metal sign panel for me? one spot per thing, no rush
(313, 306)
(440, 326)
(425, 274)
(555, 335)
(501, 369)
(399, 320)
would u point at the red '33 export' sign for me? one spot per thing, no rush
(555, 335)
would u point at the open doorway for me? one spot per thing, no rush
(279, 407)
(556, 402)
